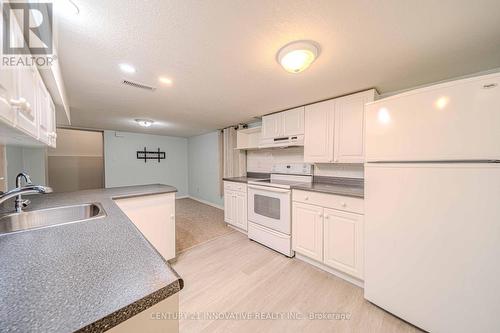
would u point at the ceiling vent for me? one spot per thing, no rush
(138, 85)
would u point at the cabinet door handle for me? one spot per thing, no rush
(306, 198)
(320, 215)
(18, 103)
(343, 204)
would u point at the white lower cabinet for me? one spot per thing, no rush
(343, 239)
(154, 216)
(325, 230)
(307, 231)
(235, 205)
(229, 209)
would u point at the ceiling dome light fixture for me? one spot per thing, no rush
(296, 56)
(126, 68)
(165, 80)
(145, 122)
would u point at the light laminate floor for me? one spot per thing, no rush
(232, 276)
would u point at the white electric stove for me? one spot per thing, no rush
(270, 206)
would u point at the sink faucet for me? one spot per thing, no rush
(29, 188)
(21, 203)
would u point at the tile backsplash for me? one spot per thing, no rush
(263, 160)
(339, 170)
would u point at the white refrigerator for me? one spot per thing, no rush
(432, 205)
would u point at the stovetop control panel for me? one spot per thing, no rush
(293, 168)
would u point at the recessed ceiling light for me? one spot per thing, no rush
(165, 80)
(297, 56)
(126, 68)
(441, 102)
(145, 122)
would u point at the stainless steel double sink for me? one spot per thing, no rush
(43, 218)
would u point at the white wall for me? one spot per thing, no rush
(78, 161)
(204, 168)
(23, 159)
(122, 168)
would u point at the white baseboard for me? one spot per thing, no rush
(344, 276)
(182, 197)
(236, 228)
(206, 202)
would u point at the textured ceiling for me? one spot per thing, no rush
(221, 55)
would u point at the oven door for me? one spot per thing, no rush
(270, 207)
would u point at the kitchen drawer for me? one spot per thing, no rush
(235, 186)
(332, 201)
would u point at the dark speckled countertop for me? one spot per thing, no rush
(239, 179)
(352, 187)
(84, 276)
(250, 176)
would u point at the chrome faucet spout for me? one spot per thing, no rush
(19, 178)
(30, 188)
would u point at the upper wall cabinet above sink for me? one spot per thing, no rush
(334, 129)
(27, 112)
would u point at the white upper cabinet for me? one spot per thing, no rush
(334, 129)
(349, 138)
(272, 126)
(293, 122)
(52, 123)
(27, 112)
(27, 118)
(46, 115)
(318, 136)
(7, 95)
(283, 124)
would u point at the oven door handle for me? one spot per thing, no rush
(269, 189)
